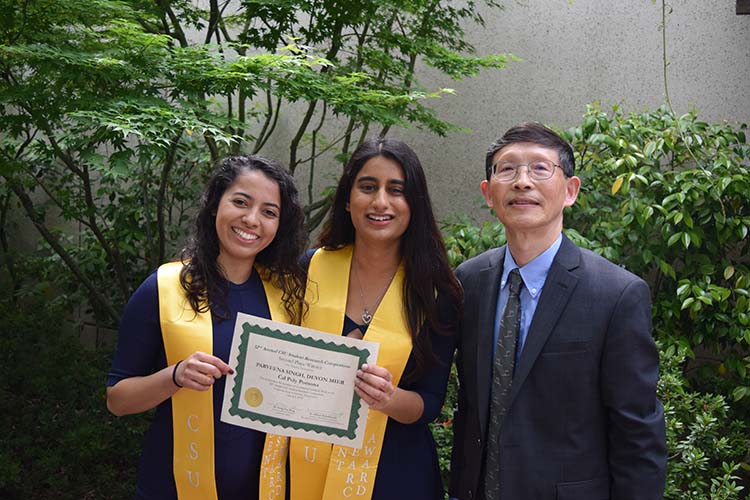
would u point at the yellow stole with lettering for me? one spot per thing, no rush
(320, 471)
(184, 332)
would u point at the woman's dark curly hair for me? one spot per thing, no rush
(430, 286)
(202, 277)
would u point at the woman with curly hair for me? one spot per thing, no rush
(176, 332)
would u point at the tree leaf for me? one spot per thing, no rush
(674, 239)
(728, 272)
(617, 184)
(649, 150)
(686, 239)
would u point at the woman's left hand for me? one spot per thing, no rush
(374, 384)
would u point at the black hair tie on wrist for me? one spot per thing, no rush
(174, 372)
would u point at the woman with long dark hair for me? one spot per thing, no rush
(176, 332)
(381, 274)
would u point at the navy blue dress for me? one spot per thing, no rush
(140, 351)
(408, 466)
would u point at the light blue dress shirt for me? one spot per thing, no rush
(534, 275)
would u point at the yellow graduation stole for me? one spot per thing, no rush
(320, 471)
(184, 331)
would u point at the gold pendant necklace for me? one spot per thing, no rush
(366, 314)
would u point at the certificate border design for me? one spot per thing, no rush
(235, 410)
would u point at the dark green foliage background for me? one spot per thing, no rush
(59, 440)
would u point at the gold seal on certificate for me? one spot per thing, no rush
(253, 396)
(295, 381)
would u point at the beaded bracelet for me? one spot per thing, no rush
(174, 372)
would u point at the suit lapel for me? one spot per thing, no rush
(488, 289)
(558, 287)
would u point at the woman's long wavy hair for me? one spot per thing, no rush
(429, 277)
(202, 277)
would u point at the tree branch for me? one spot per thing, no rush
(177, 32)
(212, 148)
(160, 200)
(111, 251)
(213, 20)
(53, 242)
(314, 221)
(317, 154)
(298, 136)
(83, 174)
(9, 261)
(409, 77)
(330, 56)
(311, 178)
(361, 39)
(363, 135)
(241, 117)
(266, 132)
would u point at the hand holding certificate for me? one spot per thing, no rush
(294, 381)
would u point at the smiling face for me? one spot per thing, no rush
(528, 208)
(247, 218)
(377, 205)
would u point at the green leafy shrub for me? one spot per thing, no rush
(442, 428)
(59, 439)
(705, 447)
(464, 240)
(667, 197)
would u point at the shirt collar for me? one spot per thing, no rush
(534, 273)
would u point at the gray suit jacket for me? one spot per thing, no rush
(584, 421)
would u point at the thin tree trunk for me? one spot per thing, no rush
(8, 257)
(298, 136)
(111, 251)
(268, 130)
(330, 55)
(315, 132)
(160, 200)
(82, 173)
(53, 242)
(213, 20)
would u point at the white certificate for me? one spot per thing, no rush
(295, 381)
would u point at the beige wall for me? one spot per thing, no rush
(574, 53)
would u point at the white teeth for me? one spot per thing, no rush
(246, 236)
(380, 218)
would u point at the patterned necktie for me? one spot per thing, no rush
(502, 378)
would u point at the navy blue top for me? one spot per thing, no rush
(140, 351)
(408, 466)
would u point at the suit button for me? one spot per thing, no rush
(471, 494)
(479, 441)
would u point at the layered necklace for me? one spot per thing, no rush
(368, 311)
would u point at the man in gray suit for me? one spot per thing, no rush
(558, 371)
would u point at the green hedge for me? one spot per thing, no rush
(59, 439)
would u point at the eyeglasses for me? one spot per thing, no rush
(539, 170)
